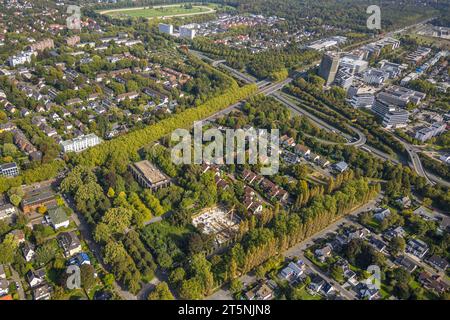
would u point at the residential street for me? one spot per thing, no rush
(16, 278)
(298, 250)
(94, 247)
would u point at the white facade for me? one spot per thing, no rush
(80, 143)
(165, 28)
(187, 32)
(21, 58)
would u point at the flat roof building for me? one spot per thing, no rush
(390, 115)
(401, 96)
(80, 143)
(9, 169)
(148, 176)
(36, 198)
(165, 28)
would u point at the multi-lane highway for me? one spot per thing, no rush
(268, 88)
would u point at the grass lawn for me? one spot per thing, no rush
(312, 258)
(303, 294)
(174, 232)
(160, 11)
(384, 292)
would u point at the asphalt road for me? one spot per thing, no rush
(298, 251)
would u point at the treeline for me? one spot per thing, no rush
(263, 64)
(436, 167)
(43, 172)
(344, 14)
(283, 231)
(135, 140)
(287, 229)
(401, 180)
(335, 106)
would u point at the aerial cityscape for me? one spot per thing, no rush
(224, 150)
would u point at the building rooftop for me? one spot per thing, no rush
(149, 171)
(57, 215)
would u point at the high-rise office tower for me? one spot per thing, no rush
(329, 67)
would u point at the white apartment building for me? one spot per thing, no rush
(21, 58)
(80, 143)
(165, 28)
(187, 32)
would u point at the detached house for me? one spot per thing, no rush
(302, 150)
(35, 278)
(417, 248)
(42, 292)
(70, 243)
(438, 262)
(4, 287)
(28, 251)
(323, 253)
(57, 218)
(293, 271)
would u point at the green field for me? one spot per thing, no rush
(160, 11)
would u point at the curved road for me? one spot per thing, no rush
(267, 88)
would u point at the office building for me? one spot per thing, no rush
(401, 96)
(353, 64)
(424, 134)
(187, 32)
(390, 115)
(344, 78)
(374, 77)
(21, 58)
(364, 100)
(393, 70)
(165, 28)
(329, 66)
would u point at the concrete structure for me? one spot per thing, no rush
(165, 28)
(365, 100)
(187, 32)
(427, 133)
(391, 116)
(217, 221)
(328, 67)
(148, 176)
(401, 96)
(80, 143)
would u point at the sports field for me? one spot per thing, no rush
(177, 10)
